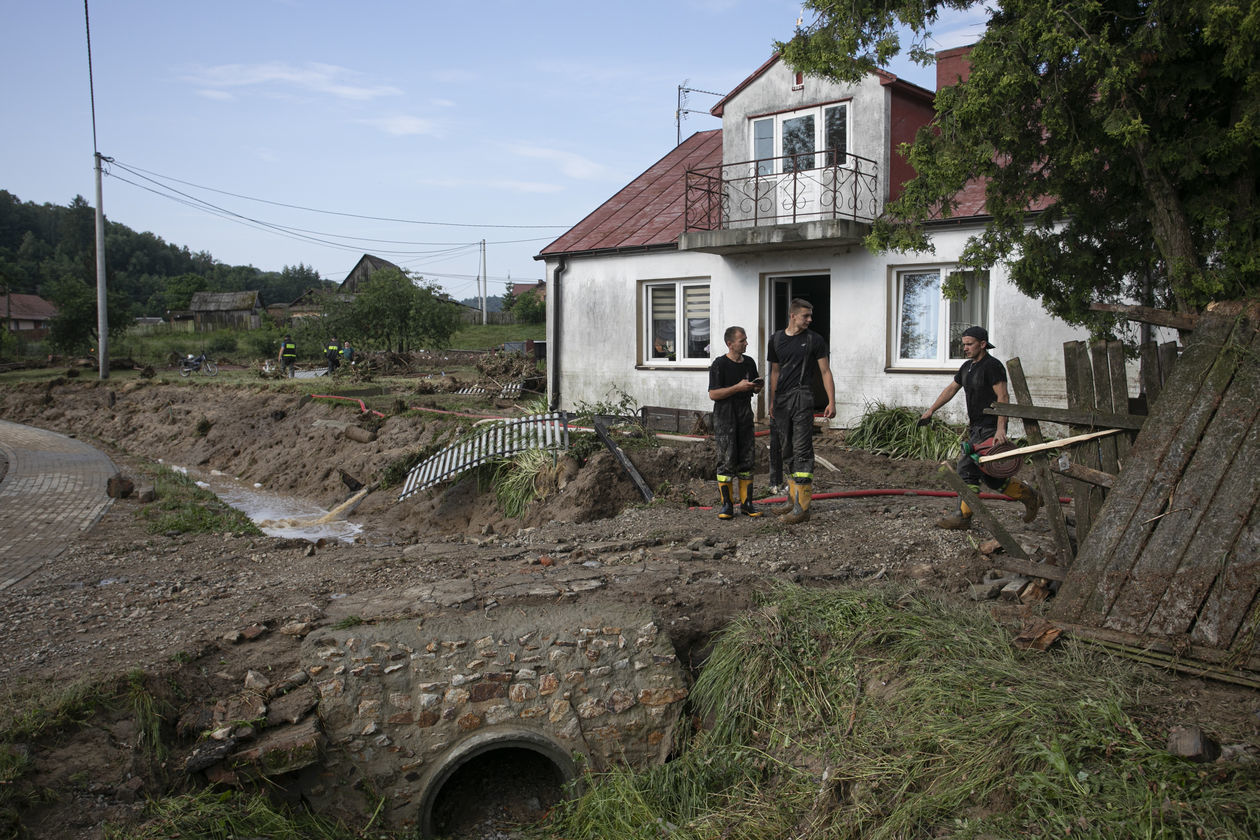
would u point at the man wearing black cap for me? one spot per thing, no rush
(982, 378)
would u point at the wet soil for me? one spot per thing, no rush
(199, 612)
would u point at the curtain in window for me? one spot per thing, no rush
(696, 313)
(920, 314)
(664, 320)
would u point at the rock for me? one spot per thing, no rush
(989, 547)
(207, 754)
(119, 486)
(985, 591)
(1191, 742)
(359, 434)
(146, 494)
(292, 707)
(256, 680)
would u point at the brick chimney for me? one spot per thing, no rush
(953, 66)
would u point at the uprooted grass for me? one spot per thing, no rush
(861, 714)
(212, 815)
(524, 477)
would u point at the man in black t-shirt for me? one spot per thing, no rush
(982, 379)
(796, 356)
(732, 382)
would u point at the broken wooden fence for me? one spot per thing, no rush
(500, 439)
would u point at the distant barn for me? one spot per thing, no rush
(211, 310)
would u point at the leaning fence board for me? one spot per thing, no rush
(1151, 381)
(1045, 481)
(981, 512)
(1095, 574)
(1119, 394)
(1189, 547)
(1229, 617)
(1080, 393)
(1108, 457)
(1067, 416)
(496, 440)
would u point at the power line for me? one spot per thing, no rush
(138, 170)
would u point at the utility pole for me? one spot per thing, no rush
(102, 316)
(485, 283)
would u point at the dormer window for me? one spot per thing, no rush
(798, 82)
(794, 141)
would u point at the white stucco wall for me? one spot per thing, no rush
(599, 306)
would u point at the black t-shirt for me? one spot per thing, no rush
(977, 380)
(797, 356)
(724, 373)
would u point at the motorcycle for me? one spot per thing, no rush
(193, 364)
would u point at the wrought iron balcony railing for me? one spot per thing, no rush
(782, 190)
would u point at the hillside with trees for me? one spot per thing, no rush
(50, 250)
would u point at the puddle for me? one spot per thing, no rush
(282, 516)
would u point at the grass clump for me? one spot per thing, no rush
(213, 815)
(184, 507)
(524, 477)
(893, 430)
(865, 714)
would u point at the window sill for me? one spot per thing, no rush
(696, 365)
(952, 369)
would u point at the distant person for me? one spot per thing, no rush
(982, 379)
(333, 354)
(796, 355)
(288, 356)
(347, 353)
(732, 382)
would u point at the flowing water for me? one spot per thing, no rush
(282, 516)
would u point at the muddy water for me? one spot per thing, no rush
(282, 516)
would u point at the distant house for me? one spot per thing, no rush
(539, 288)
(363, 269)
(26, 314)
(226, 309)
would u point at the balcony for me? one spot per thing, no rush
(794, 201)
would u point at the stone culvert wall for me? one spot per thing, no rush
(401, 701)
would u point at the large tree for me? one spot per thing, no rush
(392, 311)
(1134, 125)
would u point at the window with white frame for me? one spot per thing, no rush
(676, 326)
(927, 327)
(795, 141)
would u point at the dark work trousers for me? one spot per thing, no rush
(794, 424)
(733, 435)
(968, 470)
(776, 455)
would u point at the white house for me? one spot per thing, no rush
(735, 222)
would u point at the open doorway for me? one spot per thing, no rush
(815, 288)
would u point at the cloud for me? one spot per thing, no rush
(313, 77)
(573, 165)
(403, 125)
(218, 95)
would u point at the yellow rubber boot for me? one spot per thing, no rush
(746, 505)
(960, 521)
(790, 504)
(800, 513)
(1023, 493)
(727, 511)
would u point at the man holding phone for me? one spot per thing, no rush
(733, 380)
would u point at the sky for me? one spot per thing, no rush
(447, 123)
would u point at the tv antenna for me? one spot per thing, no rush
(681, 113)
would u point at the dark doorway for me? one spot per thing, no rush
(815, 288)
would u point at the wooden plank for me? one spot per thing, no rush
(1059, 443)
(1150, 315)
(1095, 477)
(1119, 394)
(1092, 573)
(1009, 545)
(1108, 458)
(1220, 485)
(1152, 382)
(1045, 481)
(1080, 381)
(1067, 416)
(1230, 615)
(1161, 510)
(1168, 356)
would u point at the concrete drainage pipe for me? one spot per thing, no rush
(510, 773)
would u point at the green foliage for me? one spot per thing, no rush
(1135, 126)
(530, 308)
(521, 479)
(879, 714)
(24, 716)
(149, 713)
(894, 431)
(75, 328)
(392, 312)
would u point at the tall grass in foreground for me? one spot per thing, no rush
(214, 815)
(893, 430)
(184, 507)
(858, 714)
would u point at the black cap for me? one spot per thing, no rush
(979, 333)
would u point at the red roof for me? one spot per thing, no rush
(649, 210)
(26, 308)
